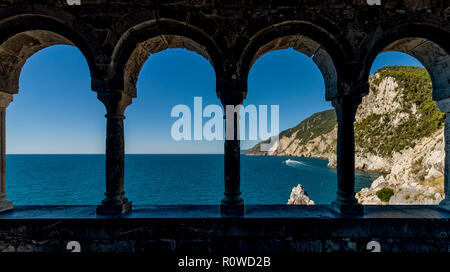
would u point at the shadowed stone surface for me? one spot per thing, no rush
(116, 38)
(201, 229)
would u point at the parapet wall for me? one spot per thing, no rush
(200, 230)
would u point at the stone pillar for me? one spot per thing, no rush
(5, 99)
(444, 106)
(115, 201)
(346, 202)
(232, 204)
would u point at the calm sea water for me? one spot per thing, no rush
(168, 179)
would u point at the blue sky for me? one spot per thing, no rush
(56, 112)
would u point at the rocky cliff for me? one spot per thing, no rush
(415, 177)
(398, 131)
(313, 137)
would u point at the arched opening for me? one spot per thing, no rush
(141, 53)
(15, 50)
(296, 74)
(163, 168)
(55, 125)
(399, 129)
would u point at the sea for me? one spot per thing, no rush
(168, 179)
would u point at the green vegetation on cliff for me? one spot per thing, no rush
(316, 125)
(385, 194)
(375, 134)
(380, 134)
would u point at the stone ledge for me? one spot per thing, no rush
(213, 211)
(200, 229)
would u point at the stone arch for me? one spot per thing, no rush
(305, 38)
(136, 45)
(22, 36)
(426, 43)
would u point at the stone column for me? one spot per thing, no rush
(232, 204)
(444, 106)
(115, 201)
(5, 99)
(346, 202)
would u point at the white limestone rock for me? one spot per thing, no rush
(299, 197)
(379, 183)
(332, 161)
(411, 167)
(433, 174)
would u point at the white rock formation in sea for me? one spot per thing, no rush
(299, 197)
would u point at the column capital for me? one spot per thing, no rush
(444, 105)
(346, 202)
(115, 201)
(5, 99)
(115, 102)
(231, 91)
(346, 106)
(352, 88)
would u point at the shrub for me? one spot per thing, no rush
(375, 135)
(385, 194)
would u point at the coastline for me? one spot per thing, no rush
(322, 158)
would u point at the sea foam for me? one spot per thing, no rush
(292, 162)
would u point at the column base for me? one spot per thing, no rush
(6, 205)
(116, 209)
(445, 204)
(233, 209)
(348, 209)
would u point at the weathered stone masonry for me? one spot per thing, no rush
(343, 37)
(200, 229)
